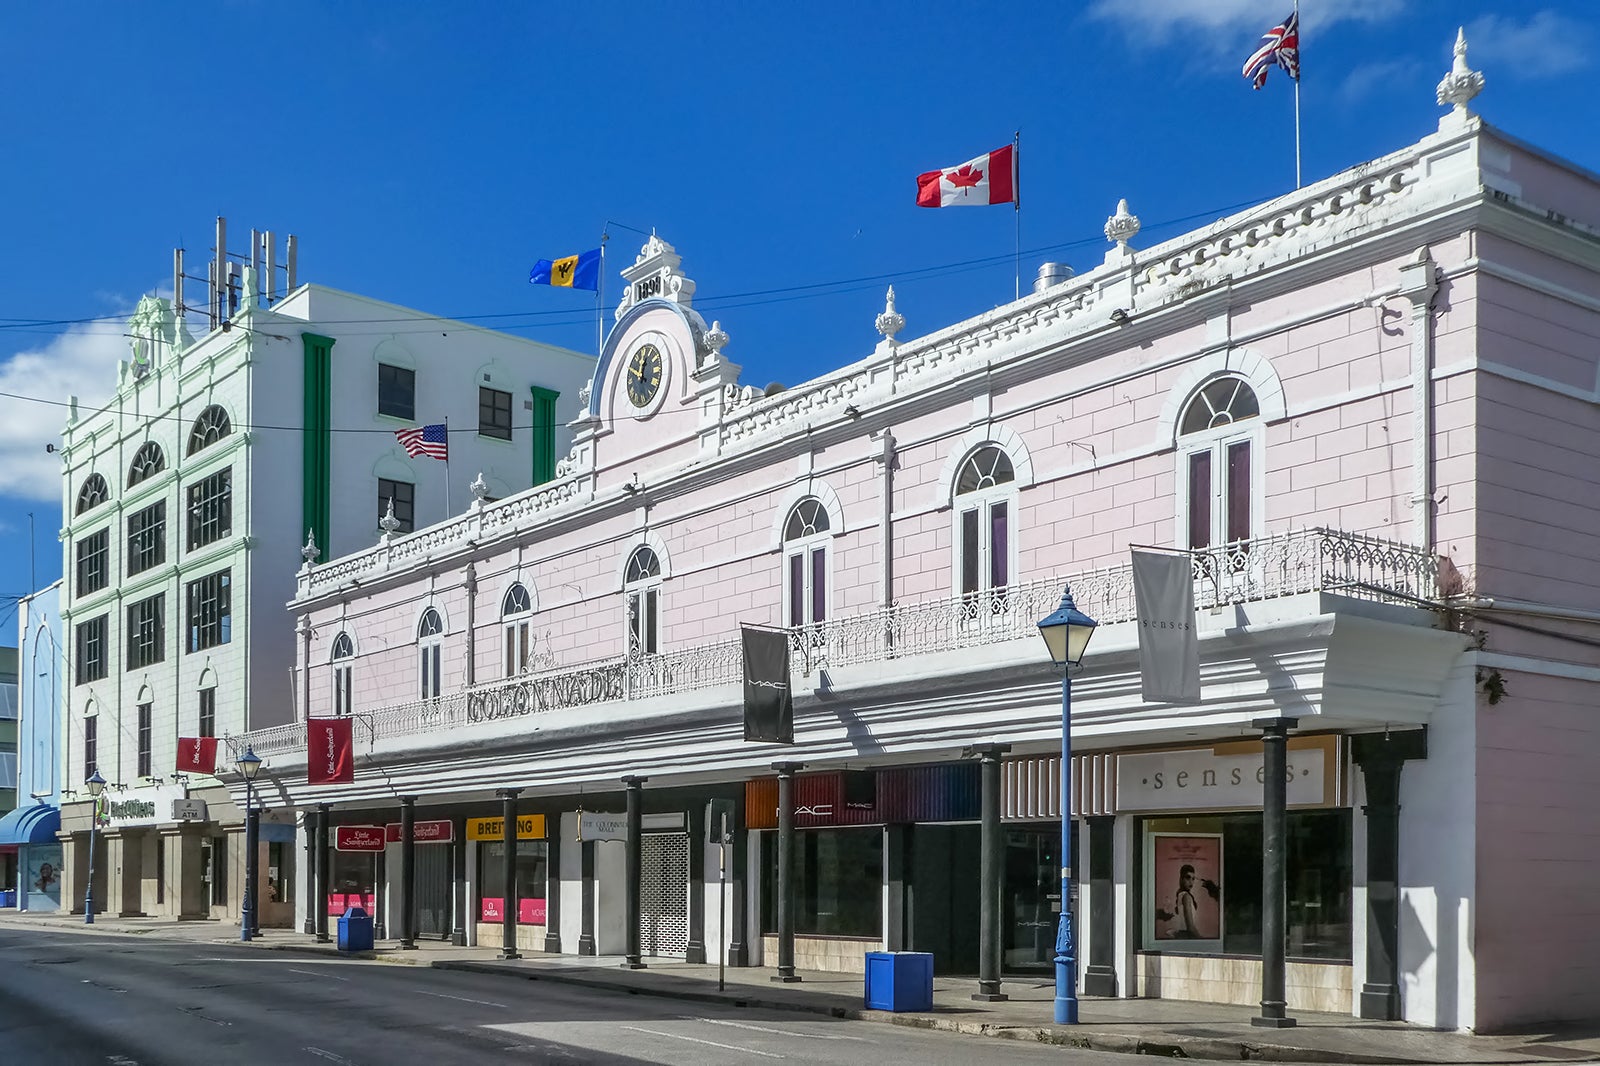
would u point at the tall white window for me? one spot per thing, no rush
(805, 561)
(430, 653)
(641, 588)
(344, 653)
(516, 616)
(1219, 440)
(985, 501)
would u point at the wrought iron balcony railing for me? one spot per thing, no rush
(1315, 560)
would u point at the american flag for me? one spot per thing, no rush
(1281, 44)
(428, 440)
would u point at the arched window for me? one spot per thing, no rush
(1219, 434)
(805, 551)
(344, 651)
(516, 616)
(210, 427)
(147, 462)
(641, 587)
(92, 494)
(985, 500)
(430, 653)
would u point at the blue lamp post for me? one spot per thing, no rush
(1066, 632)
(248, 764)
(96, 785)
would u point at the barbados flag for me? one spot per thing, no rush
(581, 271)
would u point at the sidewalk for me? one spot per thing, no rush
(1170, 1028)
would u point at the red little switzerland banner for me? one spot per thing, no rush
(989, 179)
(432, 831)
(330, 758)
(197, 755)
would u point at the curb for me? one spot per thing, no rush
(1212, 1048)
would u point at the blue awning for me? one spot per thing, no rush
(30, 825)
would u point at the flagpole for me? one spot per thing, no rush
(600, 299)
(1016, 202)
(1297, 182)
(447, 468)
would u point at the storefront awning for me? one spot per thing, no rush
(30, 825)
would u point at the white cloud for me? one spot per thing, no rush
(1546, 45)
(1369, 77)
(82, 362)
(1211, 24)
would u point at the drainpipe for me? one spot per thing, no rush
(472, 623)
(884, 457)
(1419, 283)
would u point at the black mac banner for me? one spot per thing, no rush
(768, 708)
(1169, 653)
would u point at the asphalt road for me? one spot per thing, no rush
(70, 998)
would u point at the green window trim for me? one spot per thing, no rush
(544, 434)
(317, 440)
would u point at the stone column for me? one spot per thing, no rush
(696, 949)
(1381, 758)
(738, 864)
(1274, 834)
(308, 825)
(586, 919)
(1100, 979)
(990, 874)
(408, 873)
(786, 902)
(508, 894)
(552, 884)
(458, 873)
(320, 902)
(635, 869)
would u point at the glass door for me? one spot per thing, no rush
(1031, 898)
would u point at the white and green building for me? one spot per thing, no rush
(189, 501)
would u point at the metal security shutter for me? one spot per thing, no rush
(433, 891)
(664, 895)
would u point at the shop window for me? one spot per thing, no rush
(146, 634)
(530, 873)
(211, 509)
(92, 661)
(430, 653)
(344, 651)
(94, 560)
(805, 550)
(401, 495)
(838, 882)
(641, 587)
(280, 872)
(352, 882)
(92, 494)
(985, 500)
(210, 427)
(1201, 884)
(148, 461)
(397, 392)
(1219, 437)
(516, 616)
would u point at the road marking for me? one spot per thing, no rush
(464, 999)
(779, 1032)
(708, 1043)
(330, 1056)
(313, 973)
(194, 1012)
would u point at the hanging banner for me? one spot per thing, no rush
(197, 755)
(330, 756)
(768, 706)
(1169, 653)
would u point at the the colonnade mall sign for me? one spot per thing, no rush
(1226, 777)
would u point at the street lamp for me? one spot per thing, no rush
(248, 765)
(96, 785)
(1066, 632)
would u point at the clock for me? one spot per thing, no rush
(644, 375)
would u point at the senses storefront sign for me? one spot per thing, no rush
(1226, 777)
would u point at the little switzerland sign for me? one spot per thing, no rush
(432, 831)
(359, 838)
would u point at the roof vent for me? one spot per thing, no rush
(1050, 275)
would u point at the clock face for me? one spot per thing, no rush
(644, 375)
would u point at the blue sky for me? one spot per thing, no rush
(427, 156)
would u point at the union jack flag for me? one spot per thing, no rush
(427, 440)
(1280, 45)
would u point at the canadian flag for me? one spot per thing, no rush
(989, 179)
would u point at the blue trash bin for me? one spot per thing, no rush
(8, 898)
(355, 930)
(899, 981)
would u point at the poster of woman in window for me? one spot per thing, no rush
(1188, 887)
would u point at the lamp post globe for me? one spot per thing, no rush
(96, 785)
(1066, 632)
(248, 765)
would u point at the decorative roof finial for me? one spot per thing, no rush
(891, 321)
(479, 487)
(389, 523)
(1122, 227)
(1461, 84)
(310, 553)
(716, 339)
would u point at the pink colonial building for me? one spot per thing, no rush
(1367, 409)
